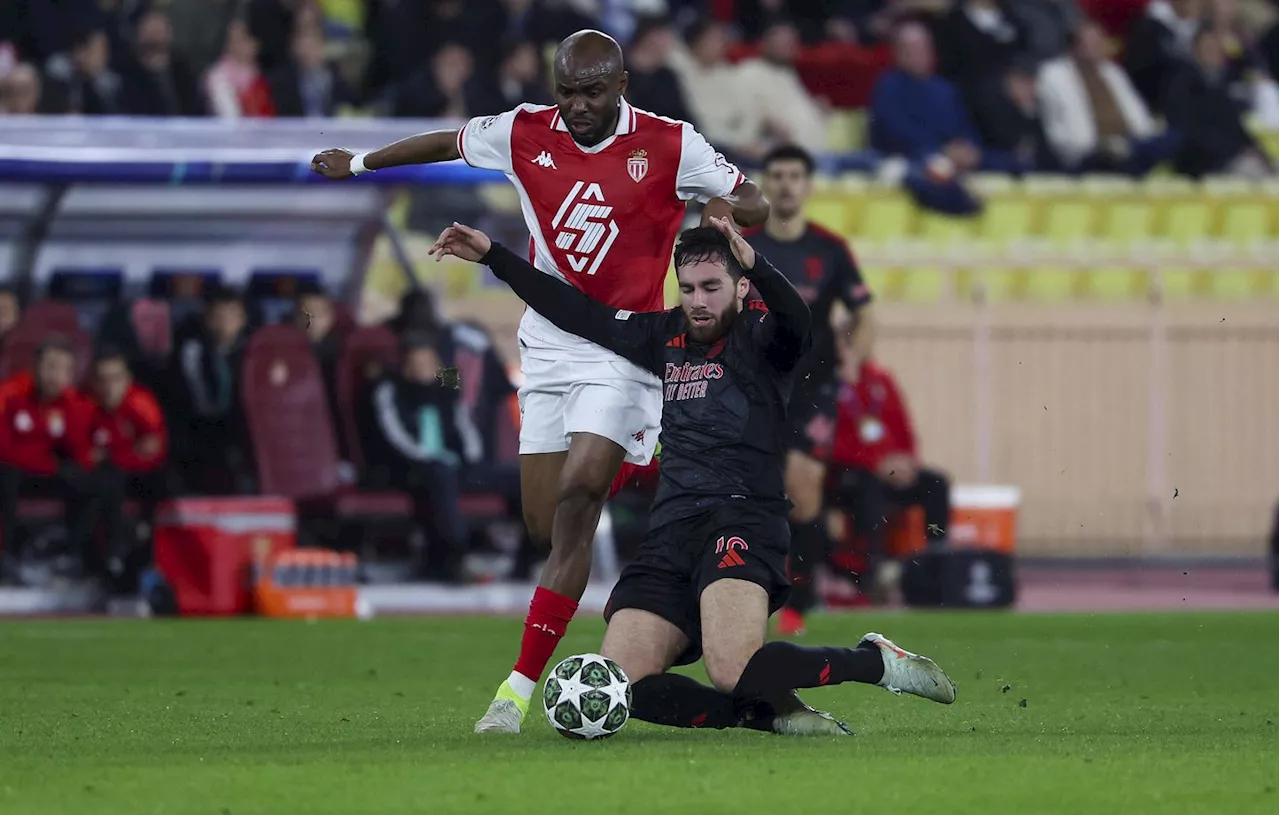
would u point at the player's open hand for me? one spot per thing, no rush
(334, 163)
(742, 250)
(461, 242)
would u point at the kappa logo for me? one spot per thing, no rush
(544, 160)
(584, 227)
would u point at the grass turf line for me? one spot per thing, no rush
(1149, 713)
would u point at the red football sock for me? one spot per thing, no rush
(549, 616)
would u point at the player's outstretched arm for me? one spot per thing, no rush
(425, 148)
(748, 206)
(628, 335)
(789, 323)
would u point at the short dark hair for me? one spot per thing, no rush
(790, 152)
(110, 353)
(698, 29)
(706, 243)
(414, 340)
(309, 288)
(55, 342)
(646, 26)
(219, 294)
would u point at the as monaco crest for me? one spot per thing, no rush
(638, 165)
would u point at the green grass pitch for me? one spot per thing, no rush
(1123, 714)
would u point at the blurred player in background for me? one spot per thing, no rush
(713, 566)
(818, 263)
(603, 188)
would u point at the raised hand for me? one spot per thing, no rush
(742, 250)
(334, 163)
(462, 242)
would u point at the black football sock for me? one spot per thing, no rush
(808, 549)
(678, 701)
(780, 666)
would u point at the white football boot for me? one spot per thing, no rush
(809, 722)
(905, 672)
(502, 717)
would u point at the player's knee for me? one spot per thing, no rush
(539, 522)
(581, 497)
(724, 669)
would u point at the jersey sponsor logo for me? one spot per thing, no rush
(584, 227)
(638, 165)
(689, 381)
(544, 160)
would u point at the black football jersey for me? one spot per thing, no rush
(823, 270)
(724, 403)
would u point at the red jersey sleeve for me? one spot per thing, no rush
(148, 420)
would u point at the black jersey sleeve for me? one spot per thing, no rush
(629, 335)
(786, 328)
(850, 287)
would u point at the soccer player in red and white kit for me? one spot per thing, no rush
(603, 189)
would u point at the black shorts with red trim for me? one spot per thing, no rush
(680, 559)
(811, 415)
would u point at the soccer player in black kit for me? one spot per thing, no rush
(818, 263)
(712, 567)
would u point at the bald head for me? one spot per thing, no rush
(588, 52)
(589, 84)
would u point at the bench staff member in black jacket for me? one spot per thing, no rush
(713, 566)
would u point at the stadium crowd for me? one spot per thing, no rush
(950, 86)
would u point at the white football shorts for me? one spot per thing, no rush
(610, 397)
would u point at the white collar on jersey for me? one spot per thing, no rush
(626, 125)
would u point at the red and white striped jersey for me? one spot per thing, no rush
(604, 218)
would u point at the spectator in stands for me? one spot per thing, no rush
(130, 447)
(1007, 115)
(234, 86)
(978, 40)
(309, 85)
(917, 114)
(81, 80)
(208, 389)
(519, 79)
(1200, 106)
(273, 23)
(10, 310)
(200, 29)
(20, 90)
(419, 450)
(155, 80)
(880, 471)
(543, 22)
(1248, 72)
(53, 26)
(45, 452)
(789, 114)
(438, 89)
(717, 93)
(1047, 26)
(651, 83)
(1094, 119)
(1159, 47)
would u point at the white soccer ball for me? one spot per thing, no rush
(587, 697)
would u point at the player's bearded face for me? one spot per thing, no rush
(589, 105)
(710, 298)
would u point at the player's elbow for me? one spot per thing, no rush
(752, 210)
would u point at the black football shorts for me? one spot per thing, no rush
(680, 559)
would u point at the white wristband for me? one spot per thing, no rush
(357, 164)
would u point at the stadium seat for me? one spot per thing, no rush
(1246, 227)
(292, 433)
(1068, 226)
(90, 291)
(367, 352)
(1002, 232)
(44, 318)
(884, 222)
(945, 237)
(1126, 231)
(1185, 226)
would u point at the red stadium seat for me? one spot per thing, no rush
(291, 430)
(19, 349)
(366, 353)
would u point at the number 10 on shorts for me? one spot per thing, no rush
(730, 544)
